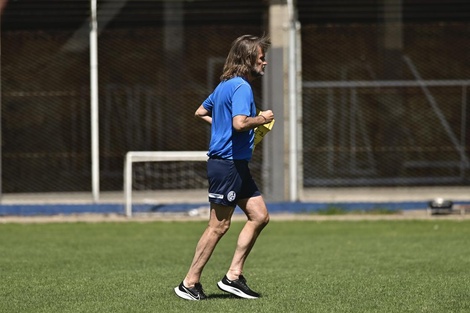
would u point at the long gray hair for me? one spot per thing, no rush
(242, 56)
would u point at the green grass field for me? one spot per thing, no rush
(298, 266)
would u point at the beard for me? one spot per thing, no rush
(255, 73)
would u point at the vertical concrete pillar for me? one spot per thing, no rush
(393, 133)
(276, 156)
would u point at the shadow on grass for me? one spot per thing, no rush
(227, 296)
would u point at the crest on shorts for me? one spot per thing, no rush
(231, 196)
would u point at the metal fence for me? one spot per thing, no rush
(367, 125)
(362, 125)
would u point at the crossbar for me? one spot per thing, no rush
(153, 156)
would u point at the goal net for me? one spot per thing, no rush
(150, 174)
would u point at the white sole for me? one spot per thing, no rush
(234, 291)
(183, 295)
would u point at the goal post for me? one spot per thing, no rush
(153, 156)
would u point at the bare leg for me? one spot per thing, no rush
(258, 217)
(219, 223)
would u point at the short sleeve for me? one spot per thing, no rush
(242, 100)
(208, 104)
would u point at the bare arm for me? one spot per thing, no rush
(243, 123)
(203, 114)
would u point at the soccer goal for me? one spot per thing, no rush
(164, 168)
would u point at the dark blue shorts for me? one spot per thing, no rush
(230, 181)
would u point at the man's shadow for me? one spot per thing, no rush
(224, 296)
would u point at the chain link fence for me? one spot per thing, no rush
(155, 69)
(376, 117)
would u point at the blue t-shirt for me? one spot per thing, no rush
(230, 98)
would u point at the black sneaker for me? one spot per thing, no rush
(237, 287)
(195, 293)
